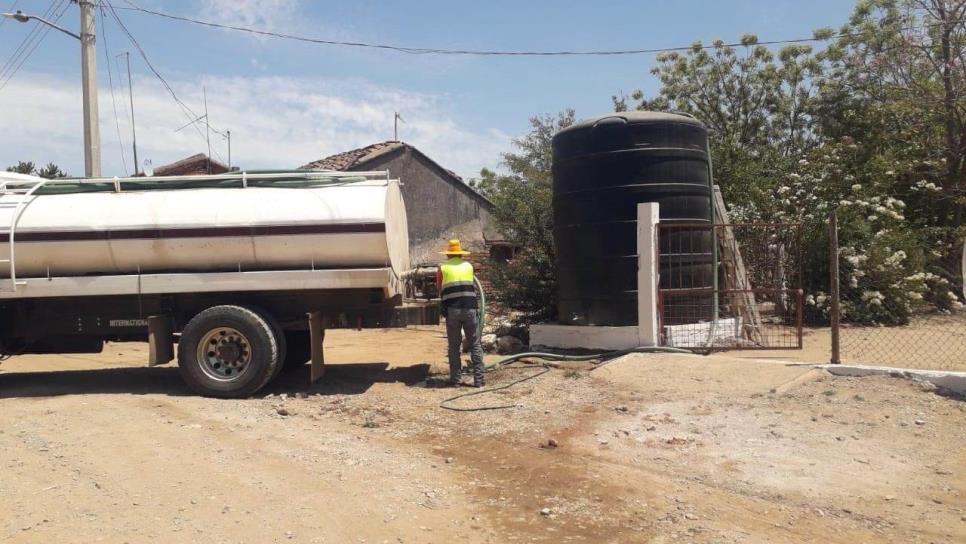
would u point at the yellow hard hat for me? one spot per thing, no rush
(454, 248)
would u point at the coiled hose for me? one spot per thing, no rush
(603, 358)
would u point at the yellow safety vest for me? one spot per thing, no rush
(457, 281)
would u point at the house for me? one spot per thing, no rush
(192, 166)
(439, 204)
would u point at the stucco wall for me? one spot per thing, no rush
(436, 209)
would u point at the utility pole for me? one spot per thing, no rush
(92, 133)
(229, 149)
(130, 89)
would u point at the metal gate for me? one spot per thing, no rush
(730, 286)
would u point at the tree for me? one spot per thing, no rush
(23, 167)
(871, 125)
(897, 83)
(524, 213)
(51, 171)
(757, 107)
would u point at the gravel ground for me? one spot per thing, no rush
(649, 448)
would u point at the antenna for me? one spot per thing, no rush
(204, 93)
(130, 89)
(395, 125)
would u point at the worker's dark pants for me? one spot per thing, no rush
(464, 320)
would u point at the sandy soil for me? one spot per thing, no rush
(649, 448)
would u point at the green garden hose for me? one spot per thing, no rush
(603, 358)
(481, 314)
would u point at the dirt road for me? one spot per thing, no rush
(652, 448)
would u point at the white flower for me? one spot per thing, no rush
(896, 258)
(856, 187)
(874, 298)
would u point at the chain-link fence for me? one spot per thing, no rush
(925, 337)
(931, 340)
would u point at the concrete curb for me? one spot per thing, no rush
(952, 381)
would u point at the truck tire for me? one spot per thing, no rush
(299, 350)
(228, 352)
(280, 339)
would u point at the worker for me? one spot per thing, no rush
(457, 293)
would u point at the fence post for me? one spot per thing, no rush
(648, 215)
(833, 261)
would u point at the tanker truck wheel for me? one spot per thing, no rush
(228, 352)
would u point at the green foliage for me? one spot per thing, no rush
(51, 171)
(524, 213)
(871, 125)
(757, 106)
(23, 167)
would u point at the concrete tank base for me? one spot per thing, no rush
(585, 337)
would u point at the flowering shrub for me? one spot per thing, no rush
(883, 261)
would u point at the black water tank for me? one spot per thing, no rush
(602, 168)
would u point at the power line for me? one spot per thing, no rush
(40, 38)
(12, 6)
(185, 109)
(34, 30)
(110, 79)
(475, 52)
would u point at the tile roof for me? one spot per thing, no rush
(195, 164)
(349, 159)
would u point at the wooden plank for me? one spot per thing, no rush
(736, 277)
(317, 338)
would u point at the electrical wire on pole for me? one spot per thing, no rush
(110, 81)
(31, 43)
(10, 9)
(25, 43)
(185, 109)
(485, 52)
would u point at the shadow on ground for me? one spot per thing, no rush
(350, 378)
(110, 381)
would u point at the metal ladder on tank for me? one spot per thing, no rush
(21, 197)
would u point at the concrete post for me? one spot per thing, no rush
(92, 132)
(648, 215)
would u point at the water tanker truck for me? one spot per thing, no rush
(244, 271)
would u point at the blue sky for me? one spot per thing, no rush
(287, 103)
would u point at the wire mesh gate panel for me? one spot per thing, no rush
(730, 286)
